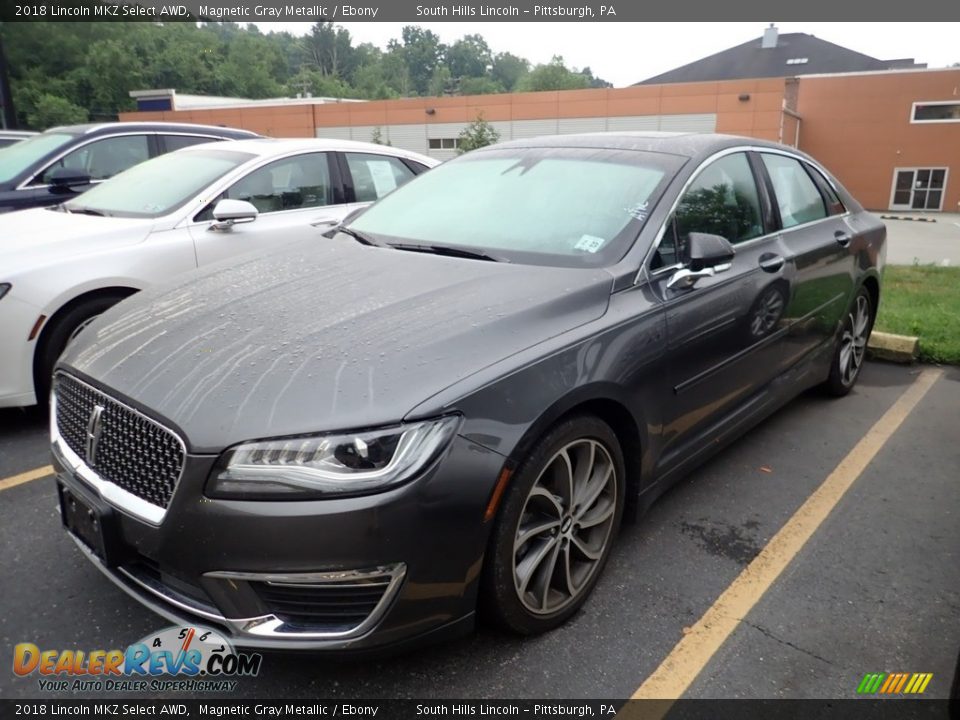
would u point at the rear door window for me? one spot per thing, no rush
(176, 142)
(798, 198)
(376, 175)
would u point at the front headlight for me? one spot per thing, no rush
(353, 463)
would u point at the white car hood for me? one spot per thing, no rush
(32, 238)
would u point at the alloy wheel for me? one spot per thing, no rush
(565, 526)
(853, 342)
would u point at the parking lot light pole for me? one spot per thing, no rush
(8, 116)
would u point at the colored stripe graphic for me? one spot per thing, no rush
(894, 683)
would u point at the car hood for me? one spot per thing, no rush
(323, 335)
(36, 237)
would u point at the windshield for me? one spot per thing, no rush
(553, 206)
(21, 156)
(159, 186)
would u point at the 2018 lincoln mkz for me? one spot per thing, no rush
(448, 405)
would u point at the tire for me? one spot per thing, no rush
(851, 346)
(61, 330)
(519, 591)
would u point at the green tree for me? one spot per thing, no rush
(50, 110)
(421, 53)
(469, 56)
(508, 69)
(441, 83)
(477, 134)
(552, 76)
(377, 137)
(479, 86)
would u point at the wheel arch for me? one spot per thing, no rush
(601, 401)
(119, 292)
(871, 281)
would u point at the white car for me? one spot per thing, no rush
(62, 266)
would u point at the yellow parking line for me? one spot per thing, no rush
(26, 477)
(681, 667)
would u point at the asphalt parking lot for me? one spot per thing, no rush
(876, 588)
(921, 241)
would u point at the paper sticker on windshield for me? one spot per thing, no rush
(589, 243)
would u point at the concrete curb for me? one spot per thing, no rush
(906, 217)
(895, 348)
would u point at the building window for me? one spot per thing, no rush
(444, 143)
(798, 61)
(935, 112)
(918, 188)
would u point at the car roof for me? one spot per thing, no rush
(101, 128)
(684, 144)
(268, 147)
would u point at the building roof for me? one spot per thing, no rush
(170, 99)
(775, 55)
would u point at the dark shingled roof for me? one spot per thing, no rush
(750, 60)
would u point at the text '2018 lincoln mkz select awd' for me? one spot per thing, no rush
(449, 404)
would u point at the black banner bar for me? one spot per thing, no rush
(868, 709)
(414, 11)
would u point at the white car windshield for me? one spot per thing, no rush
(159, 186)
(21, 156)
(554, 206)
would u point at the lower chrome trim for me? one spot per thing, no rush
(272, 626)
(267, 629)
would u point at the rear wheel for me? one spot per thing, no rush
(62, 330)
(851, 347)
(554, 531)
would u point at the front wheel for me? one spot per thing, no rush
(554, 531)
(851, 347)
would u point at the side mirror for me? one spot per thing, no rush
(228, 213)
(63, 180)
(708, 255)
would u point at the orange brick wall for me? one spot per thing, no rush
(859, 127)
(757, 117)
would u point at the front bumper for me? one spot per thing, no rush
(407, 560)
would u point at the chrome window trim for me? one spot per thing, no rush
(123, 500)
(644, 266)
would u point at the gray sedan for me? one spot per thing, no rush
(450, 404)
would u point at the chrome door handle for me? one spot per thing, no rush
(842, 238)
(771, 263)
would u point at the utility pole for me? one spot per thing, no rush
(8, 116)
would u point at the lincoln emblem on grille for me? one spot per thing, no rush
(93, 434)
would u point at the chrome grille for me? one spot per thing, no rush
(132, 452)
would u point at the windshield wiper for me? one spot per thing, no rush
(448, 250)
(85, 211)
(358, 236)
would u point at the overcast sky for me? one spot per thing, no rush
(624, 53)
